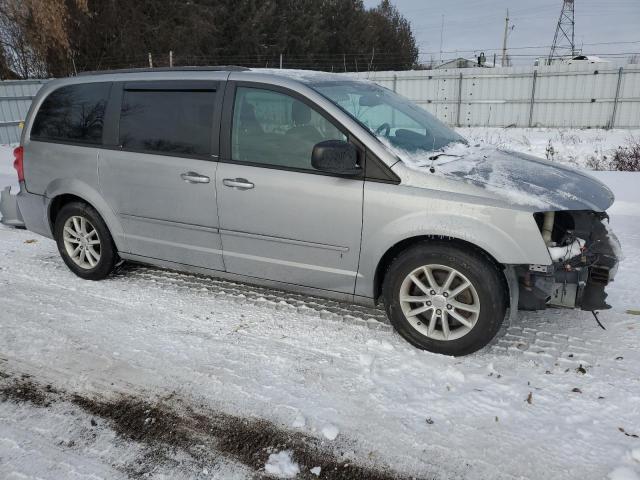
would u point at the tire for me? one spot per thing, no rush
(99, 258)
(473, 315)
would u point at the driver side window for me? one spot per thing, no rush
(276, 129)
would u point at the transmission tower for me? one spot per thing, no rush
(564, 39)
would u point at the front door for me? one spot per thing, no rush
(279, 218)
(161, 179)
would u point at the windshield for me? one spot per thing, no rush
(389, 116)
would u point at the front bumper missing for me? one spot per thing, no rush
(579, 279)
(9, 209)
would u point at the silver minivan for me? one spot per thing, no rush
(312, 182)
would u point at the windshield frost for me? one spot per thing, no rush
(389, 116)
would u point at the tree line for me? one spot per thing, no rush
(43, 38)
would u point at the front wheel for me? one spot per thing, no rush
(445, 299)
(84, 242)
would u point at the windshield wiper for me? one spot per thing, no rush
(433, 158)
(438, 155)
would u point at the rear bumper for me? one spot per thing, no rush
(33, 209)
(9, 209)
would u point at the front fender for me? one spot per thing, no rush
(67, 186)
(392, 216)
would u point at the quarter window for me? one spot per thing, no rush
(74, 113)
(175, 122)
(276, 129)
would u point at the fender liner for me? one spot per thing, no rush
(514, 291)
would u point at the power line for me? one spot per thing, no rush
(534, 47)
(312, 58)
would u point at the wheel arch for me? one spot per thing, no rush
(56, 204)
(407, 243)
(60, 193)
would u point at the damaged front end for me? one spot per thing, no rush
(585, 254)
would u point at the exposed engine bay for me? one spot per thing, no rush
(585, 255)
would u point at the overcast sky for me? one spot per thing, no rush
(474, 26)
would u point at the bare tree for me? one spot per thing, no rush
(30, 30)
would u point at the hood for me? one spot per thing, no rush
(515, 177)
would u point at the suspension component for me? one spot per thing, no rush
(547, 227)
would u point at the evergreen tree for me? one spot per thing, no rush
(106, 34)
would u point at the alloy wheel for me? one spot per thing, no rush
(82, 242)
(439, 302)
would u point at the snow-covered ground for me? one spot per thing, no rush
(7, 172)
(588, 148)
(554, 397)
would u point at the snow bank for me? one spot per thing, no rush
(584, 148)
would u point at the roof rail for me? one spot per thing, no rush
(223, 68)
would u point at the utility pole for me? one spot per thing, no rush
(564, 39)
(280, 61)
(504, 41)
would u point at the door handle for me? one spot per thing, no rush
(193, 177)
(239, 183)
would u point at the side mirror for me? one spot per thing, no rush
(337, 157)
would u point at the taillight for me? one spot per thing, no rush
(18, 163)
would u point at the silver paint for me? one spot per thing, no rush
(298, 231)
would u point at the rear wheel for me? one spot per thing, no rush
(445, 299)
(84, 242)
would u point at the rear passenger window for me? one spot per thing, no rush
(74, 113)
(167, 121)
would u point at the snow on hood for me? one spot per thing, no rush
(518, 178)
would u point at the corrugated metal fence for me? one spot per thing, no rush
(15, 99)
(579, 96)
